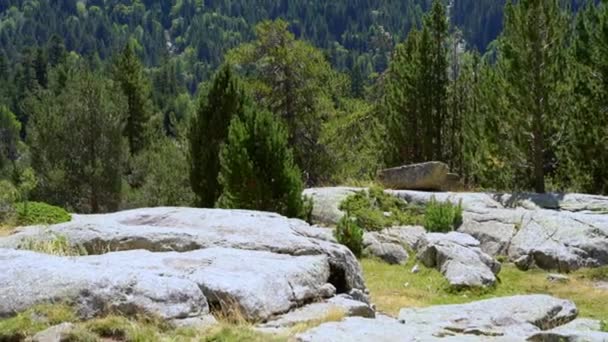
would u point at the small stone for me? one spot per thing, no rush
(53, 334)
(416, 269)
(557, 278)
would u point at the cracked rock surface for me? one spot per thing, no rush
(553, 232)
(499, 319)
(178, 263)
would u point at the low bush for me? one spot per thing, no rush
(604, 326)
(375, 210)
(33, 213)
(442, 217)
(349, 233)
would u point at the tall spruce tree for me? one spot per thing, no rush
(209, 130)
(531, 61)
(130, 75)
(257, 167)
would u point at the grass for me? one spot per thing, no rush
(394, 287)
(34, 320)
(333, 315)
(120, 328)
(57, 245)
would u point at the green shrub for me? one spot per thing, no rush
(349, 233)
(376, 210)
(442, 217)
(33, 213)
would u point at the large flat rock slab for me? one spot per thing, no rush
(170, 284)
(500, 319)
(188, 229)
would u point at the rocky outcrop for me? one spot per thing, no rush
(499, 319)
(326, 203)
(458, 257)
(425, 176)
(179, 263)
(554, 232)
(187, 229)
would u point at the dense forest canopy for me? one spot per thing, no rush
(511, 94)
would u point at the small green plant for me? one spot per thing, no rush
(442, 217)
(36, 319)
(57, 245)
(376, 210)
(33, 213)
(604, 326)
(349, 233)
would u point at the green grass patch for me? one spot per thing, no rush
(604, 326)
(394, 287)
(36, 213)
(442, 217)
(55, 245)
(375, 210)
(34, 320)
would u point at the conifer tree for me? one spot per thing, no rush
(208, 131)
(257, 167)
(9, 136)
(531, 61)
(130, 74)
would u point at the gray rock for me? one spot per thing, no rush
(326, 203)
(187, 229)
(390, 252)
(54, 334)
(335, 309)
(408, 236)
(172, 285)
(425, 176)
(499, 319)
(553, 232)
(458, 257)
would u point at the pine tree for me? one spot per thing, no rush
(257, 167)
(130, 75)
(9, 137)
(209, 130)
(76, 142)
(584, 154)
(531, 61)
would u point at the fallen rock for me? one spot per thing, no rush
(55, 333)
(500, 319)
(458, 257)
(390, 252)
(169, 284)
(326, 203)
(188, 229)
(425, 176)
